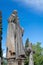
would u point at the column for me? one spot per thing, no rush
(31, 59)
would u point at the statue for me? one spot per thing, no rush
(30, 51)
(15, 49)
(15, 52)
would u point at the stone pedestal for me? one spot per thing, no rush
(12, 62)
(22, 62)
(15, 62)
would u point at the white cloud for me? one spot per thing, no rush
(35, 4)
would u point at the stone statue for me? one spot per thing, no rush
(30, 51)
(15, 49)
(15, 52)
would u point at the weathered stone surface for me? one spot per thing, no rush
(12, 62)
(31, 55)
(31, 59)
(0, 61)
(14, 43)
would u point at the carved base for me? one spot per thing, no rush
(15, 62)
(12, 62)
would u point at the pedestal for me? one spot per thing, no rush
(12, 62)
(22, 62)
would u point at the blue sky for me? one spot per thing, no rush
(30, 13)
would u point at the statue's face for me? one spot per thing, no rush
(15, 12)
(13, 17)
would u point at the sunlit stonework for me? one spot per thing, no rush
(15, 51)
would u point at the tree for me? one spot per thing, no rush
(0, 34)
(27, 43)
(38, 56)
(27, 56)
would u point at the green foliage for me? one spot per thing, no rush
(37, 56)
(0, 36)
(27, 43)
(27, 55)
(4, 62)
(26, 61)
(0, 50)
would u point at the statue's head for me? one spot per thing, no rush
(15, 12)
(13, 17)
